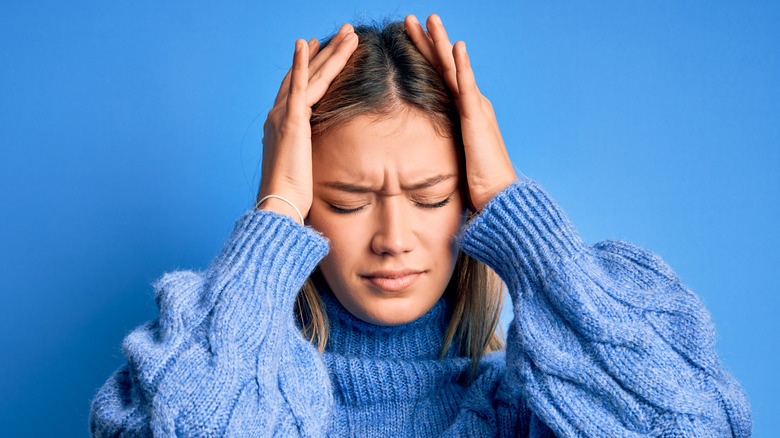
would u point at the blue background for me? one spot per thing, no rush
(130, 136)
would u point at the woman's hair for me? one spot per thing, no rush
(386, 74)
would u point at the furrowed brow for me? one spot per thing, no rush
(350, 188)
(355, 188)
(429, 182)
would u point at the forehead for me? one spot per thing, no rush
(402, 147)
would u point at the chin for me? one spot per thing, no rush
(385, 309)
(394, 311)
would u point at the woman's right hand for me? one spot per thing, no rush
(287, 168)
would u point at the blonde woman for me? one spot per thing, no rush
(360, 297)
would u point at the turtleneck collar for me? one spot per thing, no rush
(349, 336)
(371, 364)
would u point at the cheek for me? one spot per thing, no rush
(345, 252)
(441, 230)
(346, 239)
(455, 217)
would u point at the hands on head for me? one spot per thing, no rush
(287, 166)
(488, 168)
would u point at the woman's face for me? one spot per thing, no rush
(387, 195)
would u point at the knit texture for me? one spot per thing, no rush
(606, 341)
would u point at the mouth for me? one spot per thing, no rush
(392, 281)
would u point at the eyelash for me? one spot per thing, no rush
(426, 206)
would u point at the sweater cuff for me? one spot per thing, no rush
(521, 233)
(271, 251)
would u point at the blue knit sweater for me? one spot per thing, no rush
(605, 342)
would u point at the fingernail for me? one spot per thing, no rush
(297, 46)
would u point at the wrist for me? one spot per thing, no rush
(279, 206)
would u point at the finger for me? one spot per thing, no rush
(316, 59)
(469, 96)
(443, 49)
(421, 40)
(319, 60)
(314, 47)
(330, 68)
(299, 80)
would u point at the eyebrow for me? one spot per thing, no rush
(354, 188)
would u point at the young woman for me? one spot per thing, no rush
(360, 296)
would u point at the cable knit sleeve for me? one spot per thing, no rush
(224, 357)
(606, 341)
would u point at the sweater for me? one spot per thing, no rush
(606, 341)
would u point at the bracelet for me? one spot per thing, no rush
(285, 200)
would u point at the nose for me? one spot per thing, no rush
(394, 233)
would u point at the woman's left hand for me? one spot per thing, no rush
(488, 168)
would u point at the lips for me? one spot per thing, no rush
(393, 280)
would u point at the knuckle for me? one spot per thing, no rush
(275, 118)
(268, 121)
(275, 115)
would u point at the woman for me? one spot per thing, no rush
(379, 317)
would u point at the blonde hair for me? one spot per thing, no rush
(387, 73)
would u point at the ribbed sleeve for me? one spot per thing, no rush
(224, 356)
(606, 341)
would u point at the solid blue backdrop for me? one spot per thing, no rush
(131, 144)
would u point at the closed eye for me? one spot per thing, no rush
(436, 205)
(345, 210)
(419, 204)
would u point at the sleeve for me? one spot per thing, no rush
(224, 357)
(606, 341)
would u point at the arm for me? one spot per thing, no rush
(606, 340)
(224, 356)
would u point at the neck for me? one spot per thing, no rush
(350, 336)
